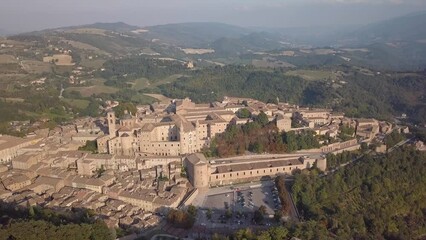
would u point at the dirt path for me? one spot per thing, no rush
(160, 97)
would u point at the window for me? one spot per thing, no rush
(217, 176)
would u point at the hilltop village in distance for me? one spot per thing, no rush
(150, 161)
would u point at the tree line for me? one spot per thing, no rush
(259, 136)
(35, 223)
(378, 197)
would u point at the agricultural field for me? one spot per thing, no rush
(97, 88)
(91, 63)
(7, 59)
(13, 100)
(36, 67)
(159, 97)
(77, 103)
(197, 50)
(268, 62)
(94, 31)
(311, 75)
(144, 99)
(141, 83)
(86, 47)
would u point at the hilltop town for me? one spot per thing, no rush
(147, 162)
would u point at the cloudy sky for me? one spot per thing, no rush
(27, 15)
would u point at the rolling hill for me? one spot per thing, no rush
(408, 28)
(193, 34)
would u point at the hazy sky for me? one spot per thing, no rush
(26, 15)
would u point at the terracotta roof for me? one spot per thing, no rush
(258, 165)
(197, 158)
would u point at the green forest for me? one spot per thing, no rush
(362, 95)
(259, 136)
(36, 223)
(379, 96)
(378, 197)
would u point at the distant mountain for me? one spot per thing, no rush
(116, 27)
(194, 34)
(256, 41)
(4, 32)
(120, 27)
(408, 28)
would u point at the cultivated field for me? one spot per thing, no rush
(7, 59)
(78, 103)
(91, 63)
(36, 67)
(271, 63)
(141, 83)
(94, 31)
(97, 88)
(159, 97)
(86, 47)
(311, 75)
(324, 51)
(13, 100)
(197, 50)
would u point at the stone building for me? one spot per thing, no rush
(203, 174)
(197, 169)
(10, 146)
(187, 130)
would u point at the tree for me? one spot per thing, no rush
(258, 216)
(278, 233)
(243, 234)
(31, 212)
(364, 146)
(180, 219)
(192, 210)
(243, 113)
(90, 146)
(278, 215)
(262, 209)
(228, 213)
(120, 109)
(262, 119)
(209, 214)
(264, 236)
(100, 231)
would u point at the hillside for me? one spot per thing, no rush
(409, 28)
(379, 197)
(196, 35)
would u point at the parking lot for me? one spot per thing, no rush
(246, 199)
(252, 199)
(233, 207)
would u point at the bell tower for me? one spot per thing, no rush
(111, 123)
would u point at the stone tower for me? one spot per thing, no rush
(111, 123)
